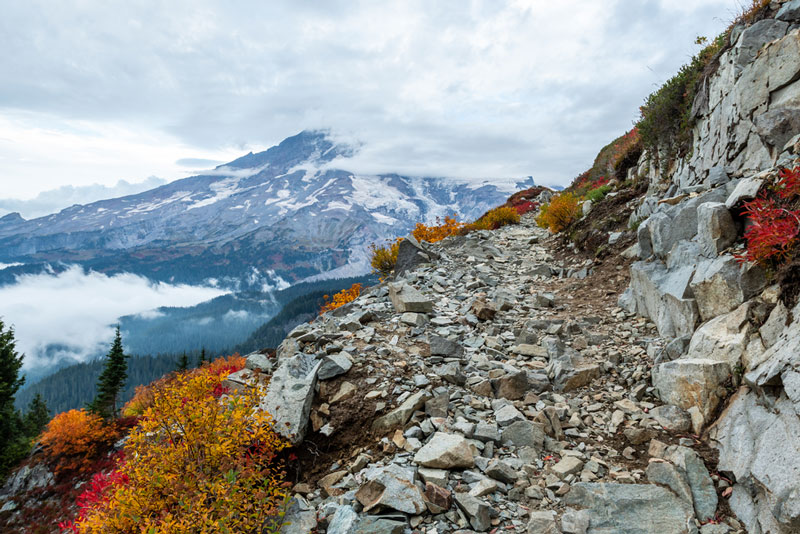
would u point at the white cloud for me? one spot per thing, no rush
(483, 88)
(77, 310)
(55, 200)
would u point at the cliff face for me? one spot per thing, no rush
(747, 111)
(727, 326)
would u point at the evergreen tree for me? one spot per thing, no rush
(111, 380)
(13, 445)
(202, 358)
(37, 417)
(183, 362)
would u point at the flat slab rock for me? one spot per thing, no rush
(631, 509)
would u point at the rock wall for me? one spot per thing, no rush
(730, 344)
(748, 110)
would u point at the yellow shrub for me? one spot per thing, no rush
(495, 218)
(432, 234)
(562, 210)
(341, 298)
(198, 462)
(384, 258)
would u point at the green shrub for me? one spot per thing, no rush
(598, 194)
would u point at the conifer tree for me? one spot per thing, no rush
(202, 358)
(183, 362)
(13, 445)
(37, 416)
(111, 381)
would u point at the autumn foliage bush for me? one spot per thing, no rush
(73, 440)
(197, 462)
(495, 218)
(562, 210)
(384, 258)
(439, 231)
(341, 298)
(774, 221)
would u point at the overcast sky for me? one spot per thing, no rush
(94, 92)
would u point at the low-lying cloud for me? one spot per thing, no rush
(55, 200)
(72, 314)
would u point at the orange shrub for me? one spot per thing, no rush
(432, 234)
(195, 463)
(74, 439)
(562, 210)
(341, 298)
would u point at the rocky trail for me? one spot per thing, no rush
(491, 388)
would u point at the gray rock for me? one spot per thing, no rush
(543, 522)
(27, 478)
(391, 487)
(344, 521)
(702, 487)
(717, 176)
(632, 509)
(408, 299)
(486, 432)
(671, 418)
(716, 230)
(758, 439)
(334, 365)
(300, 518)
(666, 474)
(692, 383)
(410, 254)
(722, 285)
(400, 415)
(778, 125)
(381, 525)
(568, 465)
(756, 36)
(512, 386)
(476, 511)
(500, 470)
(789, 12)
(575, 521)
(445, 451)
(290, 393)
(441, 346)
(724, 338)
(665, 297)
(451, 372)
(257, 360)
(524, 434)
(746, 189)
(508, 414)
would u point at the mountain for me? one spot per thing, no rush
(285, 213)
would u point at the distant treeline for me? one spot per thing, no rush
(74, 386)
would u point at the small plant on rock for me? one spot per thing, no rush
(341, 298)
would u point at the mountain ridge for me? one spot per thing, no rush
(280, 209)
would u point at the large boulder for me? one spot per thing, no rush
(445, 451)
(631, 509)
(391, 487)
(406, 298)
(722, 284)
(724, 338)
(290, 394)
(696, 385)
(758, 438)
(716, 230)
(665, 297)
(411, 253)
